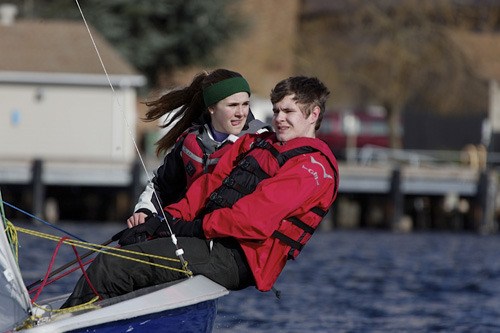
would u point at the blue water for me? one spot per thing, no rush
(348, 281)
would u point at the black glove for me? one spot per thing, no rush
(187, 228)
(153, 227)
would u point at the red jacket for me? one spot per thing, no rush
(303, 183)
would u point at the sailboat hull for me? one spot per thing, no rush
(198, 317)
(186, 306)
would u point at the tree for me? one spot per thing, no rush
(394, 52)
(155, 36)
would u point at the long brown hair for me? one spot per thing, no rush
(190, 101)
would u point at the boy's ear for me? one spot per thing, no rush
(314, 114)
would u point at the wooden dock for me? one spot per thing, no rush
(391, 186)
(401, 185)
(414, 180)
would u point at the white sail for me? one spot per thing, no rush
(15, 304)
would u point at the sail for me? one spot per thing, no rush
(15, 304)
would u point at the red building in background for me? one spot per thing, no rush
(354, 128)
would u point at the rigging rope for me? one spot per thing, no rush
(36, 318)
(85, 306)
(40, 220)
(59, 276)
(113, 251)
(107, 250)
(11, 233)
(44, 281)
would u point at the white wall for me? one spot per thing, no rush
(262, 108)
(66, 123)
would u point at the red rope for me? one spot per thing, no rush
(61, 275)
(85, 273)
(44, 281)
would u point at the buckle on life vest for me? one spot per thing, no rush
(229, 182)
(244, 164)
(215, 197)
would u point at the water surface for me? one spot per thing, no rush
(346, 281)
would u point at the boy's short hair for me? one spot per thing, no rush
(309, 92)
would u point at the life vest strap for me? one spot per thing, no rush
(219, 200)
(251, 165)
(287, 240)
(232, 183)
(298, 223)
(263, 144)
(285, 156)
(318, 211)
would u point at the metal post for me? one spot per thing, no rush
(136, 186)
(396, 199)
(38, 187)
(486, 194)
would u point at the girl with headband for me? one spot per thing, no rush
(211, 114)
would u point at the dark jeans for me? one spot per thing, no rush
(113, 276)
